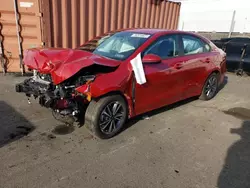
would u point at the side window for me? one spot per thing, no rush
(193, 45)
(164, 47)
(207, 48)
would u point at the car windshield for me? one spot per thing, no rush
(121, 45)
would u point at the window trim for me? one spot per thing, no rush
(179, 37)
(202, 40)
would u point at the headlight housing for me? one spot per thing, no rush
(85, 79)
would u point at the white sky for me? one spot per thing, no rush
(214, 15)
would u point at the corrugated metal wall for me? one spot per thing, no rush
(29, 27)
(69, 23)
(75, 21)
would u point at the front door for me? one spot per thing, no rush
(164, 81)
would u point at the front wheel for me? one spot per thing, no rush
(106, 117)
(210, 87)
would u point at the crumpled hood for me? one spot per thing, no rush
(63, 63)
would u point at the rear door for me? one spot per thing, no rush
(197, 60)
(164, 80)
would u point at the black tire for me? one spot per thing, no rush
(212, 84)
(96, 116)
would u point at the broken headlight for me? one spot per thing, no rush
(85, 79)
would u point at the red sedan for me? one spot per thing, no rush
(123, 74)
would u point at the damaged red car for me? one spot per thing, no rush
(97, 80)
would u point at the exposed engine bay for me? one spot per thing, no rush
(67, 104)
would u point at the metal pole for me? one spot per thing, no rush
(182, 26)
(1, 51)
(2, 57)
(240, 71)
(232, 25)
(18, 37)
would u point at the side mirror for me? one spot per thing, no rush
(151, 58)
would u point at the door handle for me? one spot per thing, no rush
(178, 65)
(207, 60)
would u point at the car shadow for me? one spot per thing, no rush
(13, 125)
(224, 83)
(236, 169)
(152, 113)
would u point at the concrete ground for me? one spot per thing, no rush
(192, 144)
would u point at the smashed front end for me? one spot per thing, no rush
(56, 85)
(66, 103)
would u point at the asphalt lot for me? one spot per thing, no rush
(192, 144)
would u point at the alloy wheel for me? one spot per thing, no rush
(211, 87)
(111, 117)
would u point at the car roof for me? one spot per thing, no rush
(93, 42)
(163, 31)
(154, 31)
(148, 31)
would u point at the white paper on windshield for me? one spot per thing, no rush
(140, 35)
(138, 69)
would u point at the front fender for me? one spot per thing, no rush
(119, 81)
(114, 81)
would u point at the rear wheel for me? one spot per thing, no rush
(210, 87)
(106, 117)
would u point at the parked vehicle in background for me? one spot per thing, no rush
(97, 80)
(238, 53)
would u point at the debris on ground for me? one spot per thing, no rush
(146, 117)
(51, 136)
(177, 171)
